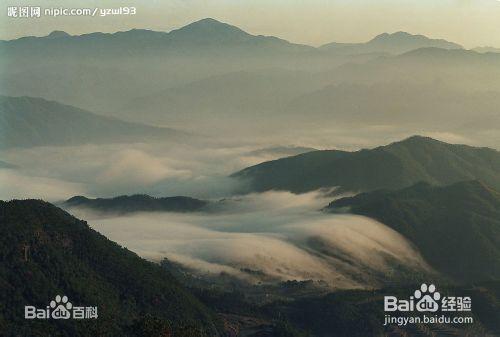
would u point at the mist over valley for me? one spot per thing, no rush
(211, 182)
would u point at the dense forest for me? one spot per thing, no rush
(45, 251)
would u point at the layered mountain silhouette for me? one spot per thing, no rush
(460, 67)
(137, 203)
(148, 76)
(102, 71)
(47, 252)
(455, 227)
(29, 121)
(209, 32)
(393, 166)
(241, 94)
(487, 50)
(400, 103)
(395, 43)
(206, 34)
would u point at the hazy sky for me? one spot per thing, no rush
(469, 22)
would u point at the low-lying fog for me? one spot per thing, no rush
(198, 169)
(276, 235)
(266, 237)
(56, 173)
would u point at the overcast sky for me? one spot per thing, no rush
(468, 22)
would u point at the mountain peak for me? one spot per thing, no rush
(209, 26)
(399, 34)
(392, 166)
(207, 21)
(419, 139)
(57, 34)
(415, 140)
(413, 41)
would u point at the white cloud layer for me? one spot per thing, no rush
(282, 235)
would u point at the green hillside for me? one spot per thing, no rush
(456, 227)
(393, 166)
(45, 252)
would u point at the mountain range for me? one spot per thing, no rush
(395, 43)
(402, 103)
(29, 121)
(102, 71)
(207, 34)
(393, 166)
(212, 69)
(47, 251)
(233, 95)
(456, 68)
(211, 33)
(386, 90)
(455, 227)
(102, 88)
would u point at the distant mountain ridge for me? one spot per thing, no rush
(137, 203)
(399, 102)
(393, 166)
(162, 73)
(29, 121)
(429, 67)
(244, 92)
(205, 33)
(487, 49)
(210, 32)
(456, 227)
(395, 43)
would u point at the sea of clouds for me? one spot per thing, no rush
(279, 235)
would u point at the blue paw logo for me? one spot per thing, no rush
(427, 298)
